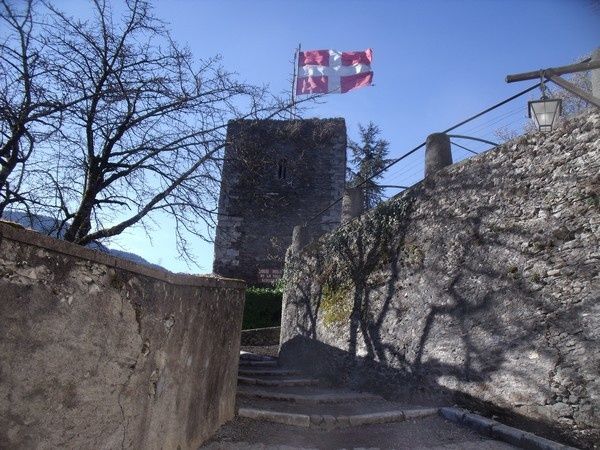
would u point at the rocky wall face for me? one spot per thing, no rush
(95, 355)
(480, 285)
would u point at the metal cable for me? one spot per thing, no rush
(497, 105)
(422, 144)
(494, 120)
(464, 148)
(462, 136)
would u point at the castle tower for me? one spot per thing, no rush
(277, 174)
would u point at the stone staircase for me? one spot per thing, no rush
(279, 408)
(267, 392)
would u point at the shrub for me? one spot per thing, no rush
(262, 308)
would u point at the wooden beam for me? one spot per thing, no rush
(573, 89)
(579, 67)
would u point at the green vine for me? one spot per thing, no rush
(345, 261)
(336, 304)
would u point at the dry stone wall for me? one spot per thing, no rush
(480, 286)
(98, 352)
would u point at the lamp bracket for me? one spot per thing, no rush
(553, 74)
(583, 66)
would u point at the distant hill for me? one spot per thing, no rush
(49, 226)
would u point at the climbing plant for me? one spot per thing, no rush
(346, 258)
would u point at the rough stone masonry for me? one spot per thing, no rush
(277, 174)
(480, 285)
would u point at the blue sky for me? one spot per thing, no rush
(435, 63)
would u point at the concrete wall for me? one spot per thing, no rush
(258, 209)
(480, 285)
(97, 352)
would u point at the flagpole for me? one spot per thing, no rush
(293, 108)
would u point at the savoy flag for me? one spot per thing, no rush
(330, 71)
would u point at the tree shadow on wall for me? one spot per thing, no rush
(304, 304)
(363, 258)
(479, 311)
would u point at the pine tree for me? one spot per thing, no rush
(368, 158)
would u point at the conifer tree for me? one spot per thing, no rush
(369, 156)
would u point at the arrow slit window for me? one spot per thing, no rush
(282, 169)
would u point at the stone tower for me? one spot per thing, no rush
(277, 174)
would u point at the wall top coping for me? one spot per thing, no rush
(33, 238)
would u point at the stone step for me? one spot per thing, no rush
(340, 408)
(246, 356)
(463, 445)
(491, 428)
(432, 432)
(277, 381)
(330, 421)
(266, 372)
(307, 395)
(257, 363)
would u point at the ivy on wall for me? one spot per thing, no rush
(350, 257)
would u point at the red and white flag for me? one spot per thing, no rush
(329, 71)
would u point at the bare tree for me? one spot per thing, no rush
(29, 106)
(149, 133)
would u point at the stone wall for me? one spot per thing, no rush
(276, 175)
(98, 352)
(479, 285)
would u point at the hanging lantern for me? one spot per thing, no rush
(545, 112)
